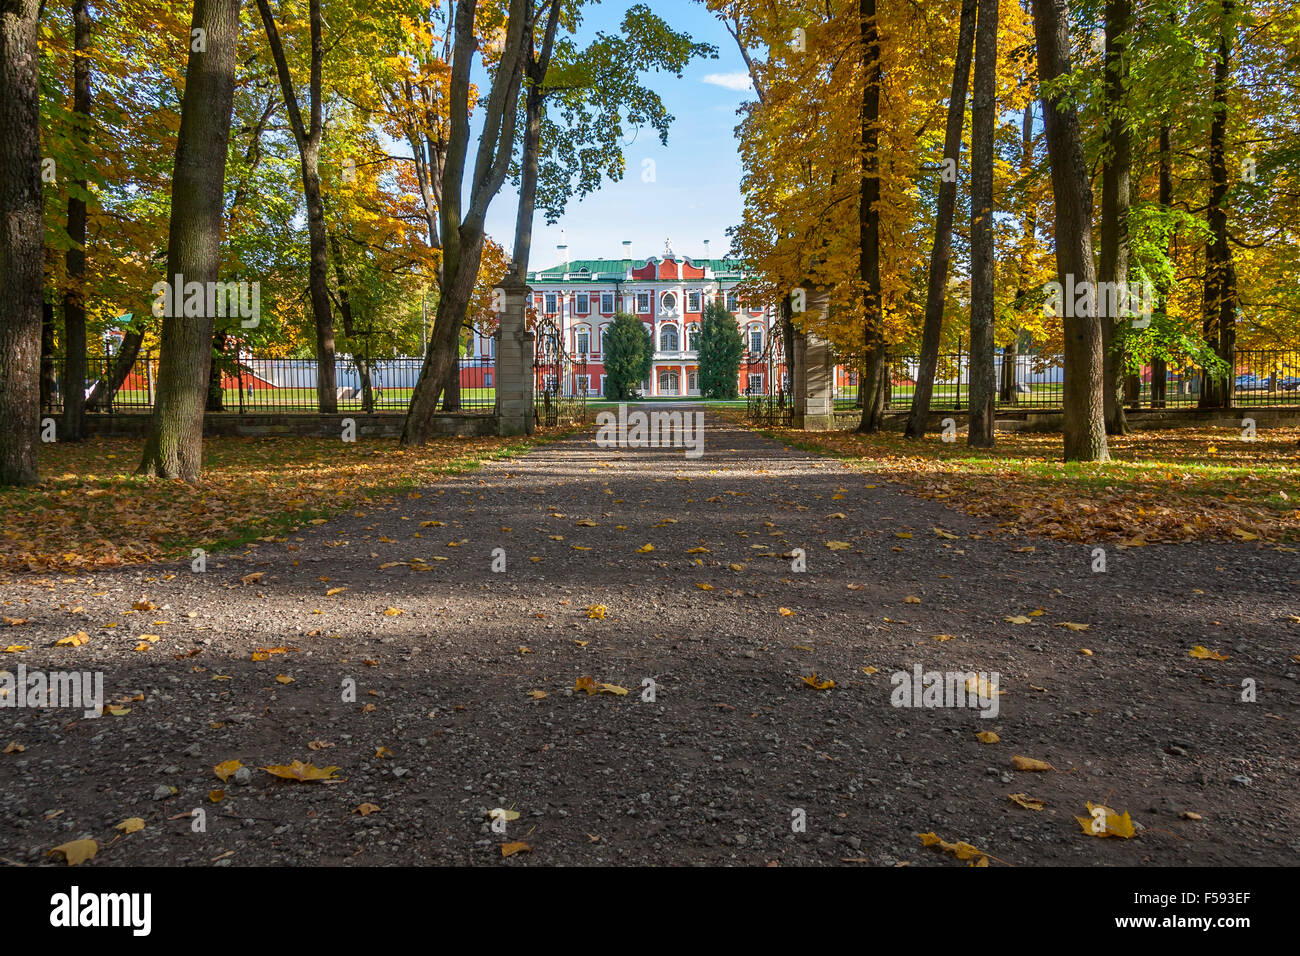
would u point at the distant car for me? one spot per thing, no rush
(1250, 383)
(1289, 384)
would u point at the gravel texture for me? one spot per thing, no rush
(733, 749)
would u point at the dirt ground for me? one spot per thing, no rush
(718, 626)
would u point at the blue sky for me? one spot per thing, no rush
(695, 193)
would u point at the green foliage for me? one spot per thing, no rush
(628, 353)
(720, 350)
(592, 92)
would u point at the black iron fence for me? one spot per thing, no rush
(1260, 377)
(561, 380)
(253, 385)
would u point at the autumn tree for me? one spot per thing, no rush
(21, 234)
(462, 225)
(577, 100)
(307, 135)
(941, 250)
(174, 442)
(983, 122)
(1085, 426)
(74, 296)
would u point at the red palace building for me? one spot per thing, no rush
(668, 293)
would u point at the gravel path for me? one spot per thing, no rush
(734, 750)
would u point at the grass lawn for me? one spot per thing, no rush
(91, 510)
(1166, 485)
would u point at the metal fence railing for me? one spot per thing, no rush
(1260, 377)
(254, 385)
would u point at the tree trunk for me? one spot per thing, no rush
(462, 227)
(1085, 424)
(941, 251)
(874, 361)
(22, 237)
(318, 285)
(983, 121)
(1159, 369)
(528, 179)
(307, 136)
(1007, 394)
(1220, 298)
(1010, 355)
(174, 444)
(75, 370)
(216, 401)
(49, 376)
(1115, 184)
(349, 326)
(104, 391)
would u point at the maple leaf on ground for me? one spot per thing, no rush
(961, 850)
(302, 772)
(76, 852)
(1105, 822)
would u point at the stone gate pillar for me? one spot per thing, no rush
(812, 379)
(514, 364)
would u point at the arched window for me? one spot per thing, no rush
(583, 341)
(668, 302)
(604, 338)
(755, 338)
(668, 338)
(693, 338)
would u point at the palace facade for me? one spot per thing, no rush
(668, 293)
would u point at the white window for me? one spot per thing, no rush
(693, 382)
(692, 302)
(668, 338)
(584, 341)
(550, 303)
(668, 302)
(607, 303)
(643, 302)
(756, 340)
(487, 379)
(582, 383)
(733, 303)
(469, 347)
(755, 384)
(604, 338)
(669, 382)
(693, 338)
(582, 304)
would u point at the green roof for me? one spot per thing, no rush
(617, 268)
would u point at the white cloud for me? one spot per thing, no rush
(737, 81)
